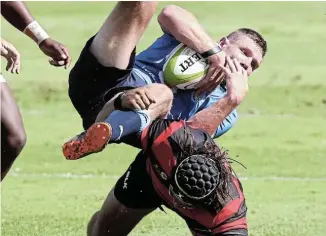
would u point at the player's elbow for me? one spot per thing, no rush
(167, 15)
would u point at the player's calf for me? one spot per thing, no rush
(128, 118)
(13, 136)
(11, 145)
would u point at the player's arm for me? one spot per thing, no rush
(229, 121)
(184, 26)
(226, 124)
(18, 15)
(210, 118)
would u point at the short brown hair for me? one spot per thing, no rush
(254, 35)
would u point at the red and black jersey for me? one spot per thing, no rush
(164, 141)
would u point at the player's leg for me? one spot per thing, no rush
(108, 58)
(119, 124)
(132, 198)
(13, 136)
(115, 219)
(120, 33)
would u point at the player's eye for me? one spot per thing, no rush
(244, 52)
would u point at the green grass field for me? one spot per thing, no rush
(280, 136)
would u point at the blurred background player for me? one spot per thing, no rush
(13, 136)
(108, 65)
(181, 167)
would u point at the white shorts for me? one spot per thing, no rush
(2, 79)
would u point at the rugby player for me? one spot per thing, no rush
(108, 65)
(182, 168)
(13, 136)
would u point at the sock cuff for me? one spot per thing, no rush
(145, 118)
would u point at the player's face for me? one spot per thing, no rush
(245, 50)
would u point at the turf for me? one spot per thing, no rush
(280, 136)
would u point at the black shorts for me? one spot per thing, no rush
(135, 188)
(91, 85)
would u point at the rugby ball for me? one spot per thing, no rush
(184, 68)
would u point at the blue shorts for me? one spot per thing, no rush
(91, 85)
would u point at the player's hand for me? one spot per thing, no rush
(214, 74)
(236, 80)
(137, 99)
(58, 52)
(12, 56)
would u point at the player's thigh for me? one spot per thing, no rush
(132, 198)
(12, 128)
(120, 33)
(115, 219)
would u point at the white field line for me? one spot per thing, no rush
(115, 177)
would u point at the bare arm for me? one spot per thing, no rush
(185, 28)
(237, 87)
(210, 118)
(16, 13)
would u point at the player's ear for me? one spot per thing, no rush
(224, 41)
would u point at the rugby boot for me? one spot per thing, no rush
(90, 141)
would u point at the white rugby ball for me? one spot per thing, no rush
(184, 68)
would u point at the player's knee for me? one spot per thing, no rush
(165, 96)
(17, 141)
(163, 93)
(141, 11)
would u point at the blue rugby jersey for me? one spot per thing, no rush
(148, 67)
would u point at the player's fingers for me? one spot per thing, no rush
(226, 69)
(206, 80)
(237, 65)
(61, 54)
(140, 103)
(231, 64)
(150, 96)
(216, 82)
(134, 105)
(244, 72)
(205, 88)
(9, 64)
(145, 100)
(219, 78)
(12, 64)
(16, 67)
(56, 63)
(68, 60)
(17, 63)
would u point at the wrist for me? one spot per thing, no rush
(233, 100)
(36, 32)
(212, 52)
